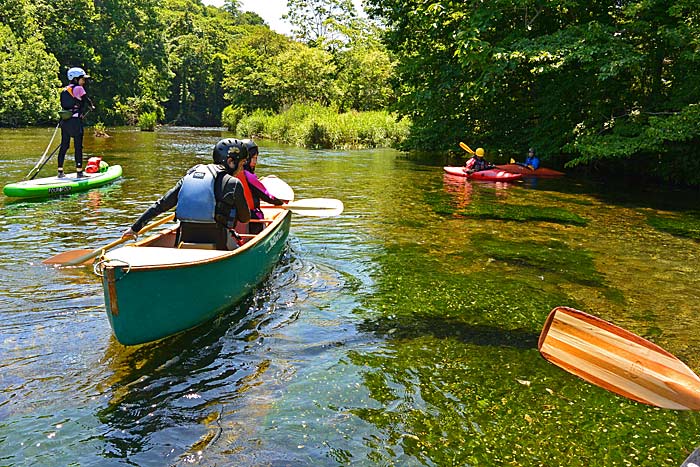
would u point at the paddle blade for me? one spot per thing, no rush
(618, 360)
(278, 188)
(68, 256)
(466, 148)
(319, 207)
(77, 257)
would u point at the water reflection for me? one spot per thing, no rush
(463, 190)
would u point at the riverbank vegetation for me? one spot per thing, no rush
(604, 84)
(612, 87)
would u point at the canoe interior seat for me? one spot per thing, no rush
(197, 246)
(154, 255)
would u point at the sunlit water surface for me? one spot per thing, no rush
(402, 332)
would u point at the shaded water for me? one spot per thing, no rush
(403, 332)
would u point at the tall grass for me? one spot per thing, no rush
(316, 126)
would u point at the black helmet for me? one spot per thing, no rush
(252, 152)
(229, 147)
(531, 150)
(251, 147)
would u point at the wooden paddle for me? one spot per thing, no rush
(317, 207)
(618, 360)
(76, 257)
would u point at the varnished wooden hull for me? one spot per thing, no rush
(618, 360)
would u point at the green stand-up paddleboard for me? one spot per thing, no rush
(54, 186)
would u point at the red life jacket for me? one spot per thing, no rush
(246, 190)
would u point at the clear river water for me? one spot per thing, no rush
(400, 333)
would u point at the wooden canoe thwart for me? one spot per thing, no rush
(618, 360)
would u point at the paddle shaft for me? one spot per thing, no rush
(40, 165)
(68, 258)
(319, 207)
(466, 148)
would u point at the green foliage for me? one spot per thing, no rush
(29, 90)
(147, 121)
(317, 22)
(596, 81)
(316, 126)
(230, 117)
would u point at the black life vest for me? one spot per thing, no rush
(68, 102)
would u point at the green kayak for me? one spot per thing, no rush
(53, 186)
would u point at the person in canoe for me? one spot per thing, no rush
(257, 189)
(477, 163)
(532, 162)
(75, 104)
(209, 199)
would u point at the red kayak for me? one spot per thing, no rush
(527, 172)
(491, 174)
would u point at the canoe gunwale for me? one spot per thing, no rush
(224, 255)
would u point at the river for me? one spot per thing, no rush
(403, 332)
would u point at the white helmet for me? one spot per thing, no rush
(76, 72)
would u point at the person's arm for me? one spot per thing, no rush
(167, 202)
(233, 196)
(260, 190)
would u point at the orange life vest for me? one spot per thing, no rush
(246, 190)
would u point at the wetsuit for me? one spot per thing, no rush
(231, 207)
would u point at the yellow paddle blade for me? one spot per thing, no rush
(466, 148)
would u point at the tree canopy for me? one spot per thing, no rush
(180, 60)
(589, 82)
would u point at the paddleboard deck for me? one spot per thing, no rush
(491, 175)
(618, 360)
(54, 186)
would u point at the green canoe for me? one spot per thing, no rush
(153, 290)
(53, 186)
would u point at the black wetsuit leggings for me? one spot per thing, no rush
(71, 128)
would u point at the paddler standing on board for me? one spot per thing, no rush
(75, 104)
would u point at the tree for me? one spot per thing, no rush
(599, 82)
(316, 21)
(29, 90)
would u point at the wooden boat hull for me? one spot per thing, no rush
(618, 360)
(490, 175)
(152, 292)
(540, 172)
(54, 186)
